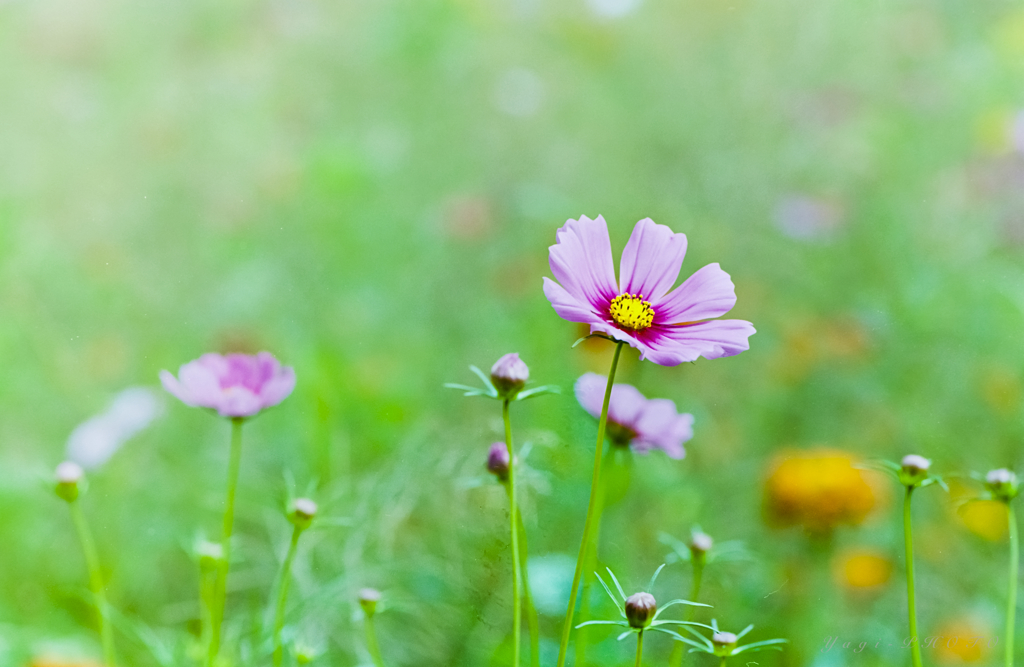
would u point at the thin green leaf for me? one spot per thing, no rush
(745, 631)
(699, 625)
(624, 635)
(620, 623)
(539, 391)
(611, 595)
(650, 586)
(760, 646)
(617, 584)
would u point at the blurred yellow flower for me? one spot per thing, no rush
(862, 568)
(63, 662)
(985, 518)
(962, 640)
(818, 489)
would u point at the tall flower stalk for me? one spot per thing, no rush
(69, 478)
(668, 326)
(593, 508)
(236, 386)
(1002, 485)
(507, 383)
(368, 600)
(912, 473)
(301, 516)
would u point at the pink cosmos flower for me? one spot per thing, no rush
(235, 385)
(641, 423)
(668, 327)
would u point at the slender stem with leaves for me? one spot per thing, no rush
(371, 642)
(92, 562)
(590, 567)
(220, 587)
(602, 424)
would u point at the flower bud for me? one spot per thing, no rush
(724, 642)
(498, 461)
(68, 475)
(302, 512)
(509, 375)
(640, 608)
(700, 544)
(368, 599)
(1003, 484)
(914, 469)
(211, 555)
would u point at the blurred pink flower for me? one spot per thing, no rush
(235, 385)
(642, 423)
(668, 328)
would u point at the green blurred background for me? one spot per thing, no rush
(368, 190)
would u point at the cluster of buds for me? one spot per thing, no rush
(1002, 484)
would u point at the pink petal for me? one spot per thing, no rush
(650, 263)
(581, 261)
(567, 306)
(589, 390)
(176, 389)
(238, 401)
(671, 346)
(201, 381)
(278, 388)
(661, 426)
(706, 294)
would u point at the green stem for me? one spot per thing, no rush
(1011, 602)
(371, 642)
(282, 595)
(639, 646)
(908, 539)
(594, 494)
(532, 622)
(722, 664)
(92, 562)
(589, 569)
(676, 658)
(220, 587)
(517, 613)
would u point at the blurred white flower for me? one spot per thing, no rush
(808, 218)
(95, 440)
(613, 9)
(519, 92)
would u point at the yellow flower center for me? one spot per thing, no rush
(630, 311)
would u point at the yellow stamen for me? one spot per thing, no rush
(630, 311)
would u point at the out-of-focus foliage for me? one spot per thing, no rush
(368, 190)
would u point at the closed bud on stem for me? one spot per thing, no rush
(914, 469)
(498, 461)
(700, 544)
(724, 643)
(1003, 484)
(211, 555)
(368, 599)
(640, 608)
(509, 375)
(302, 512)
(68, 475)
